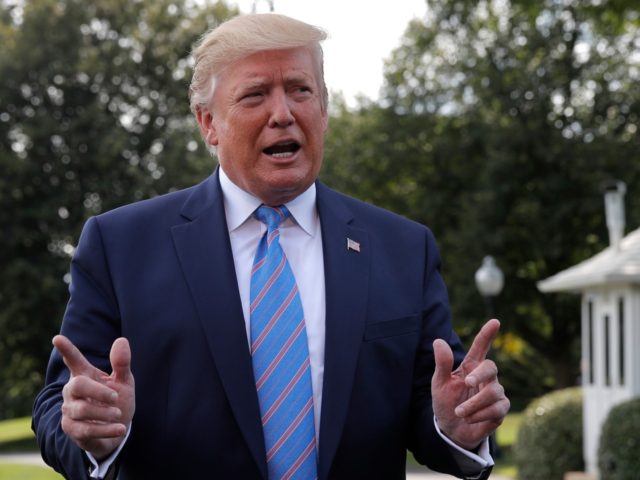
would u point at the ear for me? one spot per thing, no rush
(324, 119)
(207, 126)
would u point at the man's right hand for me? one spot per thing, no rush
(97, 408)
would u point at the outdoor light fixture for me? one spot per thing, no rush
(489, 278)
(614, 211)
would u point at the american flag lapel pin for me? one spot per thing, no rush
(353, 245)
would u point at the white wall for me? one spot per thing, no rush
(620, 381)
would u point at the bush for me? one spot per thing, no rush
(549, 441)
(619, 450)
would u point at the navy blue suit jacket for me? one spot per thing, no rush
(160, 272)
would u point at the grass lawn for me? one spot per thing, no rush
(506, 436)
(10, 471)
(16, 429)
(16, 436)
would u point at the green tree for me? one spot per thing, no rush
(93, 114)
(499, 123)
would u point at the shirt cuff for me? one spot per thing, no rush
(483, 458)
(99, 470)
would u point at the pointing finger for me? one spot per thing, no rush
(120, 357)
(482, 343)
(73, 359)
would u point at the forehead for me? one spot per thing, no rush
(263, 65)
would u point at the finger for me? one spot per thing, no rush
(86, 411)
(488, 405)
(73, 359)
(120, 357)
(84, 387)
(482, 343)
(485, 397)
(485, 372)
(443, 357)
(83, 432)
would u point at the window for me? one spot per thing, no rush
(590, 342)
(607, 362)
(621, 335)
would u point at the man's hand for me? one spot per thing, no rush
(97, 408)
(469, 403)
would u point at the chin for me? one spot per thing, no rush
(280, 193)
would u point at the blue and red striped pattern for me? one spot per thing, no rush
(280, 354)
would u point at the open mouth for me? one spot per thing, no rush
(282, 150)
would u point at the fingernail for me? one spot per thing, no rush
(459, 411)
(471, 381)
(114, 396)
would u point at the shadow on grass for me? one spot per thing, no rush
(20, 445)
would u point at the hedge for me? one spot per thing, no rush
(619, 447)
(549, 440)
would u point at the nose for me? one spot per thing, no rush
(281, 115)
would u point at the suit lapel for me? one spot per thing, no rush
(205, 255)
(346, 280)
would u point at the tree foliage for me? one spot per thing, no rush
(93, 114)
(499, 123)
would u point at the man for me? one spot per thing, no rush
(170, 292)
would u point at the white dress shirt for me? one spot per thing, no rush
(301, 241)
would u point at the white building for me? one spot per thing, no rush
(610, 286)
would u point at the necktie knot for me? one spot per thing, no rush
(272, 216)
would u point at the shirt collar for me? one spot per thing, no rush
(239, 205)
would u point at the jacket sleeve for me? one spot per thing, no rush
(426, 444)
(91, 322)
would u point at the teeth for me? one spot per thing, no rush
(283, 150)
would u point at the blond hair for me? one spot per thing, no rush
(245, 35)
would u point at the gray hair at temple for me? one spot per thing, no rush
(245, 35)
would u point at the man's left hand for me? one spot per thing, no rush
(469, 403)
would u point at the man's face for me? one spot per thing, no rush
(267, 121)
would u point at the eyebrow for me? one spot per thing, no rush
(250, 84)
(260, 81)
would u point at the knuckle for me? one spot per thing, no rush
(85, 431)
(66, 410)
(492, 367)
(66, 390)
(498, 390)
(74, 386)
(66, 425)
(80, 410)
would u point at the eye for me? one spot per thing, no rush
(302, 91)
(251, 98)
(252, 95)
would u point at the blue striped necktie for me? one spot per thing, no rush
(280, 355)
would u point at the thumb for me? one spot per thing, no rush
(120, 357)
(443, 357)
